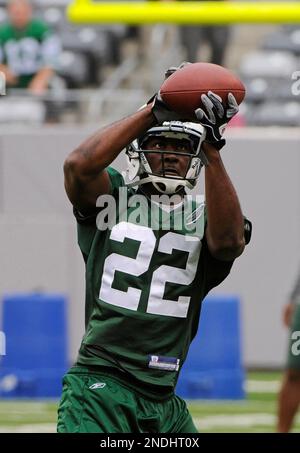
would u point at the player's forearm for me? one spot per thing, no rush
(41, 79)
(99, 150)
(225, 222)
(4, 69)
(10, 77)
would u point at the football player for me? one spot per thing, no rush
(144, 281)
(289, 395)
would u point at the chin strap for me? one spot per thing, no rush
(139, 182)
(156, 181)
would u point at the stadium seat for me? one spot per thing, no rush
(248, 111)
(276, 114)
(283, 42)
(268, 64)
(54, 17)
(260, 89)
(257, 89)
(290, 27)
(282, 90)
(73, 67)
(92, 44)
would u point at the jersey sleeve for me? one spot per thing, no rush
(217, 270)
(86, 221)
(51, 48)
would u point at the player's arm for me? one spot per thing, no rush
(84, 169)
(10, 78)
(225, 221)
(225, 234)
(40, 81)
(289, 308)
(50, 49)
(287, 314)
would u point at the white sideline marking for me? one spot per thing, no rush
(241, 420)
(212, 421)
(206, 422)
(38, 428)
(262, 386)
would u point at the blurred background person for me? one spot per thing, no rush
(289, 396)
(215, 36)
(28, 49)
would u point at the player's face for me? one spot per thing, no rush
(166, 162)
(20, 13)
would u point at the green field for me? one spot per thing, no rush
(257, 413)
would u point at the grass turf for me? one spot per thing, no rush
(257, 413)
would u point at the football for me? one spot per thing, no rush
(182, 90)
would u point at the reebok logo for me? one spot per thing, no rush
(97, 385)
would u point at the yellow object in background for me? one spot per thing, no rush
(87, 11)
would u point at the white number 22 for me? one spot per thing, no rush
(137, 266)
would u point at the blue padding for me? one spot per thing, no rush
(36, 345)
(213, 368)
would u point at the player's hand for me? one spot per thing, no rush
(215, 116)
(160, 109)
(173, 69)
(10, 78)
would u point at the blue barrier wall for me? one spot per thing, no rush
(35, 326)
(213, 368)
(36, 349)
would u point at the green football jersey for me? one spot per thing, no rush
(26, 51)
(146, 276)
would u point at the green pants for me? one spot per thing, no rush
(293, 361)
(100, 403)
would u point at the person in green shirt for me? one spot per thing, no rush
(28, 49)
(152, 254)
(289, 395)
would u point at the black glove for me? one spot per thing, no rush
(160, 110)
(173, 69)
(216, 116)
